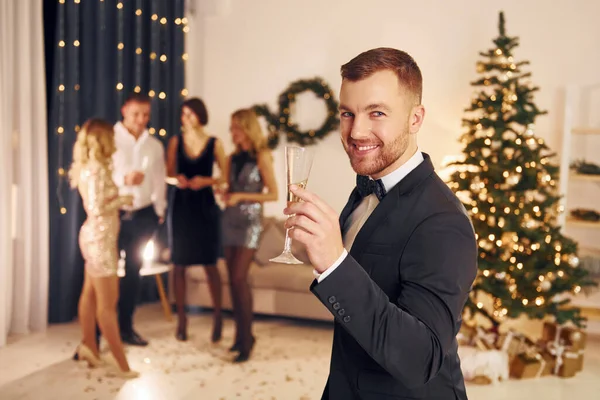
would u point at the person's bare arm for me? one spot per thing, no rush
(172, 177)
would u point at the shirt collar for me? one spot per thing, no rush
(392, 179)
(123, 132)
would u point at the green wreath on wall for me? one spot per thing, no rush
(284, 123)
(262, 110)
(287, 100)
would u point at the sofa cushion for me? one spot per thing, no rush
(272, 242)
(284, 277)
(299, 251)
(290, 278)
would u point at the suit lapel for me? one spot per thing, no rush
(374, 221)
(350, 206)
(389, 203)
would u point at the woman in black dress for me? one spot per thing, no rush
(194, 217)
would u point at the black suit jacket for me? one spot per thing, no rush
(397, 298)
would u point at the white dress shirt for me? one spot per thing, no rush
(147, 155)
(366, 207)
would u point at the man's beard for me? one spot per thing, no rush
(385, 156)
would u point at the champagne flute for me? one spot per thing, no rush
(126, 190)
(298, 162)
(144, 164)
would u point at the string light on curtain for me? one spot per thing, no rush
(62, 87)
(75, 74)
(163, 59)
(60, 130)
(120, 48)
(183, 22)
(154, 42)
(157, 60)
(138, 47)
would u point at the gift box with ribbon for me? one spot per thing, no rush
(473, 335)
(514, 343)
(567, 362)
(573, 337)
(485, 340)
(530, 364)
(567, 345)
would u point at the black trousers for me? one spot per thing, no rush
(137, 228)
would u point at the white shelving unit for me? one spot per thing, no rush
(581, 125)
(581, 141)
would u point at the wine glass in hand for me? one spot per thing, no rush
(298, 162)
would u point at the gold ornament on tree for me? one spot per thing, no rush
(513, 179)
(573, 260)
(496, 145)
(529, 131)
(546, 285)
(509, 152)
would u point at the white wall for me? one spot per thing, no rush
(247, 52)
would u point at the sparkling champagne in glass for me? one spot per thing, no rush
(298, 162)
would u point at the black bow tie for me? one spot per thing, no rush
(367, 186)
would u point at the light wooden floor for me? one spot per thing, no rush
(291, 361)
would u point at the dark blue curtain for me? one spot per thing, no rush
(97, 52)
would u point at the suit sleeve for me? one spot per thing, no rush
(410, 335)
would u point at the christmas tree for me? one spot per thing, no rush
(508, 183)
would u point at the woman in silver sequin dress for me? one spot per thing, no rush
(91, 174)
(250, 173)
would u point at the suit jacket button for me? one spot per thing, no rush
(336, 306)
(341, 312)
(331, 299)
(347, 318)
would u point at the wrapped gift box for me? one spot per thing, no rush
(573, 337)
(513, 343)
(531, 364)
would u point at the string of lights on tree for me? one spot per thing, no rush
(72, 73)
(508, 184)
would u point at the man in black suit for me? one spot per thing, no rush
(398, 277)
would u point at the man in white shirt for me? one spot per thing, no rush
(139, 169)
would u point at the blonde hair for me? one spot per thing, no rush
(248, 120)
(95, 143)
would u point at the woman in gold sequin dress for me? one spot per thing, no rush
(91, 174)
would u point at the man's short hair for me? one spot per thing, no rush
(137, 97)
(385, 58)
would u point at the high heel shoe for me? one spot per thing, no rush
(236, 346)
(84, 353)
(181, 333)
(245, 353)
(119, 373)
(217, 330)
(115, 370)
